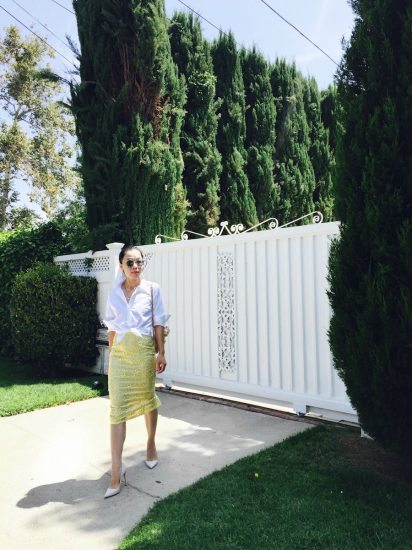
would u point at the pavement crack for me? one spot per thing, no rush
(156, 497)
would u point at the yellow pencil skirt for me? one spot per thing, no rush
(132, 374)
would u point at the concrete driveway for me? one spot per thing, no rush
(56, 463)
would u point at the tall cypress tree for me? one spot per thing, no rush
(129, 109)
(202, 166)
(260, 133)
(237, 202)
(371, 264)
(330, 109)
(319, 150)
(293, 169)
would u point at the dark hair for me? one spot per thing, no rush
(126, 248)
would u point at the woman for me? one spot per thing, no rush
(134, 314)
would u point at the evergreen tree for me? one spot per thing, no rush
(237, 203)
(319, 150)
(371, 263)
(330, 109)
(129, 111)
(202, 166)
(293, 169)
(260, 133)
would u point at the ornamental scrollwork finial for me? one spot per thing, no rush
(238, 228)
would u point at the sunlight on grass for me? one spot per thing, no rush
(148, 535)
(305, 495)
(21, 392)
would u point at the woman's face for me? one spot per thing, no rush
(132, 264)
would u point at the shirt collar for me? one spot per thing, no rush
(122, 277)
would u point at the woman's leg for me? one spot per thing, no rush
(151, 424)
(117, 437)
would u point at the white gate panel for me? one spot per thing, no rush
(250, 314)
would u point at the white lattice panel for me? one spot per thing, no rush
(82, 266)
(100, 264)
(76, 267)
(226, 320)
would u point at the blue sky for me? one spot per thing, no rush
(325, 22)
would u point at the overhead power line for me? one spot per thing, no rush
(186, 5)
(183, 3)
(40, 23)
(299, 31)
(204, 18)
(64, 7)
(39, 37)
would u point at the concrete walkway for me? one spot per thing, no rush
(56, 462)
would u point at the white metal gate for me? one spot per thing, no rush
(250, 315)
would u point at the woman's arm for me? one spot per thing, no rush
(160, 357)
(160, 317)
(111, 334)
(160, 341)
(109, 321)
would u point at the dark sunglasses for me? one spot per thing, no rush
(131, 262)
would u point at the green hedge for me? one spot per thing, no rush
(53, 317)
(19, 250)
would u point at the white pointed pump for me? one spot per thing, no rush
(151, 463)
(116, 490)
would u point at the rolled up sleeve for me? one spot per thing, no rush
(160, 316)
(110, 316)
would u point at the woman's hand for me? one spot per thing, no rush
(160, 363)
(110, 337)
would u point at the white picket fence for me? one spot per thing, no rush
(250, 315)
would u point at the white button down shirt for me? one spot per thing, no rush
(136, 315)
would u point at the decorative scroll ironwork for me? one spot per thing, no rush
(159, 237)
(226, 326)
(317, 217)
(236, 229)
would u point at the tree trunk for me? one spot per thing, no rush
(4, 197)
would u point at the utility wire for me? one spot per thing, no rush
(39, 37)
(64, 7)
(300, 32)
(188, 7)
(204, 18)
(183, 3)
(40, 23)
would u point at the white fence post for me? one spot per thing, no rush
(103, 292)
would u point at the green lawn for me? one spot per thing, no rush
(21, 390)
(304, 493)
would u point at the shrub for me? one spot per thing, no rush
(19, 250)
(53, 317)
